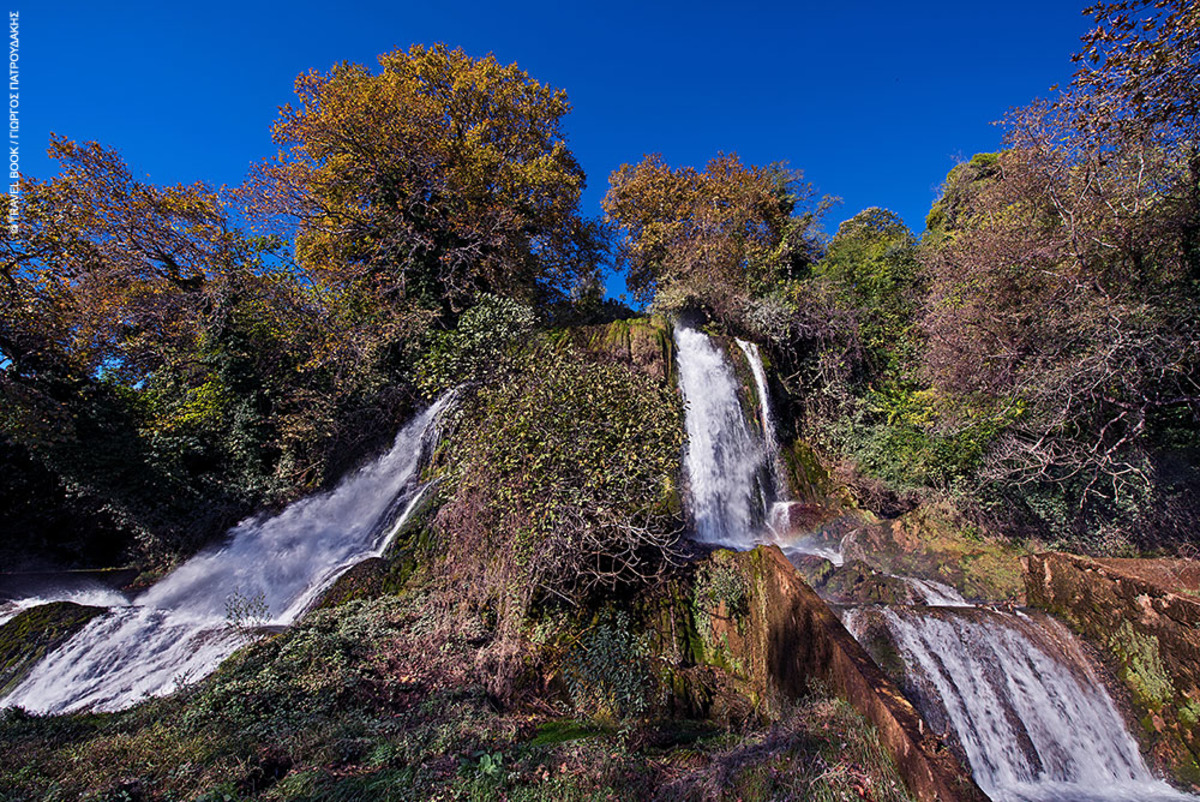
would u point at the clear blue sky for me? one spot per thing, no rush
(874, 101)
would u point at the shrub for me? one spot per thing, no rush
(566, 479)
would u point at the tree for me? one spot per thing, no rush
(423, 185)
(1060, 305)
(160, 366)
(714, 238)
(872, 264)
(106, 288)
(1138, 81)
(1066, 283)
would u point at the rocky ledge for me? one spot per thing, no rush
(1144, 614)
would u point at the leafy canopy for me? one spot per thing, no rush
(714, 238)
(437, 178)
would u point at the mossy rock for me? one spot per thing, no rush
(1131, 609)
(808, 478)
(31, 634)
(644, 344)
(930, 543)
(855, 582)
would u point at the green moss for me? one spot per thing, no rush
(1189, 713)
(29, 635)
(1141, 666)
(929, 542)
(809, 480)
(563, 730)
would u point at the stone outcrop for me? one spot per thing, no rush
(1145, 615)
(644, 344)
(747, 634)
(928, 543)
(28, 636)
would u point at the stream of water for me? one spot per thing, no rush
(276, 567)
(723, 459)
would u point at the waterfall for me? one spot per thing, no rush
(92, 594)
(779, 513)
(1033, 719)
(723, 459)
(1035, 722)
(766, 416)
(738, 495)
(178, 630)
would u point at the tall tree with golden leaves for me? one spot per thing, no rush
(714, 238)
(435, 179)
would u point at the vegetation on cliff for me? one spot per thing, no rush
(1034, 355)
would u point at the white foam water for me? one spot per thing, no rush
(97, 596)
(935, 594)
(1035, 722)
(179, 630)
(722, 459)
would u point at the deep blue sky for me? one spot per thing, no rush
(875, 101)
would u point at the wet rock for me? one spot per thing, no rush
(31, 634)
(746, 625)
(1145, 616)
(929, 543)
(856, 582)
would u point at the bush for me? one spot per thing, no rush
(566, 479)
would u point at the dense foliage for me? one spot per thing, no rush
(565, 479)
(163, 371)
(1036, 354)
(150, 354)
(1065, 291)
(710, 239)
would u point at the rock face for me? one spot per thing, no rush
(747, 634)
(644, 344)
(928, 543)
(1145, 614)
(27, 637)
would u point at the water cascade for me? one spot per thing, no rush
(275, 568)
(766, 415)
(723, 460)
(1032, 717)
(90, 594)
(779, 512)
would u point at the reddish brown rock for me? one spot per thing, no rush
(1145, 615)
(752, 616)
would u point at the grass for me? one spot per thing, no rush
(388, 699)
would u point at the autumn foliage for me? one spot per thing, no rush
(165, 369)
(713, 238)
(437, 178)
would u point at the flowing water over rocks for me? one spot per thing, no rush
(1016, 691)
(738, 497)
(1021, 699)
(268, 571)
(723, 460)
